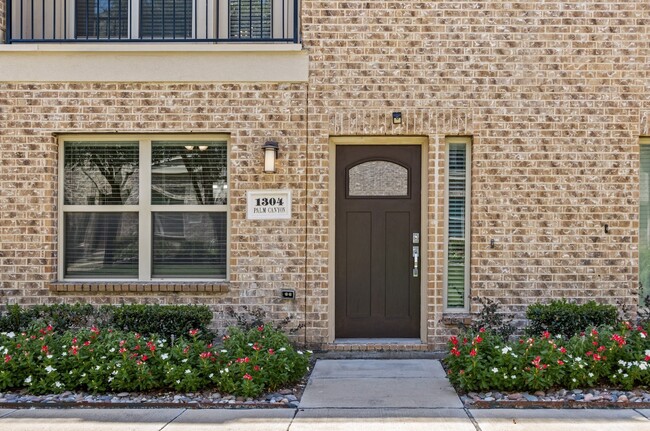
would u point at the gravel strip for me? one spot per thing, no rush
(285, 398)
(576, 398)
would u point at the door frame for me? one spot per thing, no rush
(423, 143)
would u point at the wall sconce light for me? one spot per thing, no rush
(270, 155)
(397, 118)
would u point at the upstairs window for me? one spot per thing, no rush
(250, 19)
(144, 209)
(166, 19)
(102, 19)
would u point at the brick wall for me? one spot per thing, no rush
(264, 255)
(555, 95)
(551, 93)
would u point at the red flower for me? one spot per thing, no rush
(256, 347)
(256, 368)
(546, 335)
(647, 358)
(94, 330)
(205, 355)
(271, 352)
(260, 328)
(455, 352)
(560, 362)
(193, 332)
(7, 358)
(454, 341)
(597, 357)
(122, 350)
(478, 339)
(562, 350)
(44, 349)
(86, 343)
(481, 330)
(594, 332)
(589, 353)
(144, 358)
(248, 376)
(472, 352)
(602, 349)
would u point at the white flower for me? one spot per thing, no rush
(110, 379)
(625, 376)
(49, 356)
(573, 380)
(250, 344)
(578, 359)
(184, 360)
(513, 377)
(188, 371)
(114, 373)
(211, 375)
(282, 349)
(112, 350)
(28, 380)
(164, 356)
(495, 370)
(4, 350)
(620, 371)
(506, 350)
(299, 352)
(97, 368)
(83, 375)
(178, 382)
(10, 334)
(310, 352)
(647, 352)
(643, 366)
(224, 351)
(58, 384)
(49, 369)
(591, 374)
(642, 335)
(64, 354)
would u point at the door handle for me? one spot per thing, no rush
(416, 256)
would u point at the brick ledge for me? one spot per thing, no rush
(138, 287)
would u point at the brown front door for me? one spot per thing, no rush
(377, 228)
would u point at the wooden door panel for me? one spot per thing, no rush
(359, 257)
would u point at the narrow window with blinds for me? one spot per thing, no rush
(143, 209)
(457, 245)
(102, 19)
(644, 221)
(250, 19)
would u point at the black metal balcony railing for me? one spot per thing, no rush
(31, 21)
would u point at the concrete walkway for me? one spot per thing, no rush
(342, 395)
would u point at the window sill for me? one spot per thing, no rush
(456, 319)
(194, 287)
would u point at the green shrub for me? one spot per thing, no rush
(166, 321)
(62, 316)
(568, 319)
(492, 320)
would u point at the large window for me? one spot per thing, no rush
(102, 19)
(457, 222)
(644, 221)
(250, 19)
(144, 208)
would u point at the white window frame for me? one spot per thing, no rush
(144, 208)
(467, 141)
(644, 141)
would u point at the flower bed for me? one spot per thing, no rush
(246, 363)
(619, 357)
